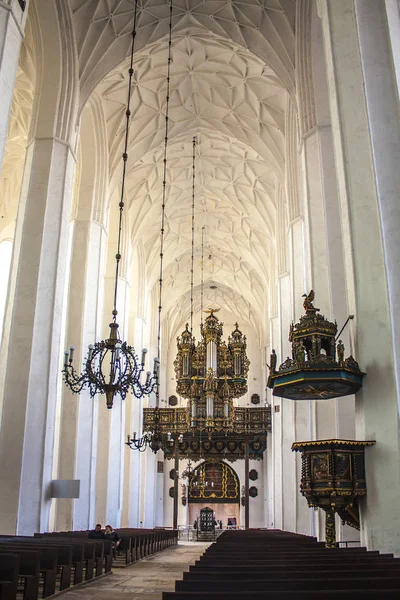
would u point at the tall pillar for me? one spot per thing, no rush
(79, 413)
(78, 435)
(149, 465)
(133, 476)
(384, 125)
(176, 487)
(12, 24)
(351, 38)
(30, 369)
(111, 432)
(324, 258)
(246, 485)
(133, 458)
(30, 389)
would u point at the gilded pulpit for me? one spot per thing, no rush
(332, 478)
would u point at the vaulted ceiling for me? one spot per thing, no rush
(234, 106)
(232, 72)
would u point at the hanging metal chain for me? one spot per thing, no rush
(125, 159)
(191, 268)
(164, 185)
(202, 275)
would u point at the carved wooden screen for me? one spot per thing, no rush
(214, 482)
(207, 519)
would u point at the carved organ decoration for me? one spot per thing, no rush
(211, 373)
(214, 481)
(317, 368)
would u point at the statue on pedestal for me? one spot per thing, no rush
(272, 362)
(340, 352)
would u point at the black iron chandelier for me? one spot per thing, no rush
(149, 439)
(111, 366)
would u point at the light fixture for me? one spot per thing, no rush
(188, 472)
(111, 366)
(199, 481)
(150, 439)
(153, 437)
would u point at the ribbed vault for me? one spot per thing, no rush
(102, 31)
(18, 129)
(234, 104)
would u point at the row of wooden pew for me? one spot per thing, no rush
(272, 565)
(47, 563)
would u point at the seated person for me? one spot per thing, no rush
(97, 533)
(112, 535)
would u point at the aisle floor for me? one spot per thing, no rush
(146, 579)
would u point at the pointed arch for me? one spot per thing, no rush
(55, 113)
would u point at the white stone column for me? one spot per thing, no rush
(393, 18)
(325, 257)
(84, 320)
(384, 127)
(12, 24)
(33, 358)
(110, 454)
(365, 209)
(275, 467)
(287, 416)
(133, 462)
(135, 468)
(78, 441)
(149, 481)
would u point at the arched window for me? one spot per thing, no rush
(5, 264)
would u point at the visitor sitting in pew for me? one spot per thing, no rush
(112, 535)
(97, 533)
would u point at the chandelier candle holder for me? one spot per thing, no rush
(332, 478)
(187, 473)
(111, 366)
(317, 369)
(153, 439)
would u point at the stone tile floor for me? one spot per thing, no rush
(145, 580)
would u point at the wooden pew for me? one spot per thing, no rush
(272, 566)
(244, 575)
(28, 571)
(9, 567)
(136, 543)
(338, 583)
(47, 567)
(223, 572)
(62, 553)
(101, 555)
(85, 553)
(365, 594)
